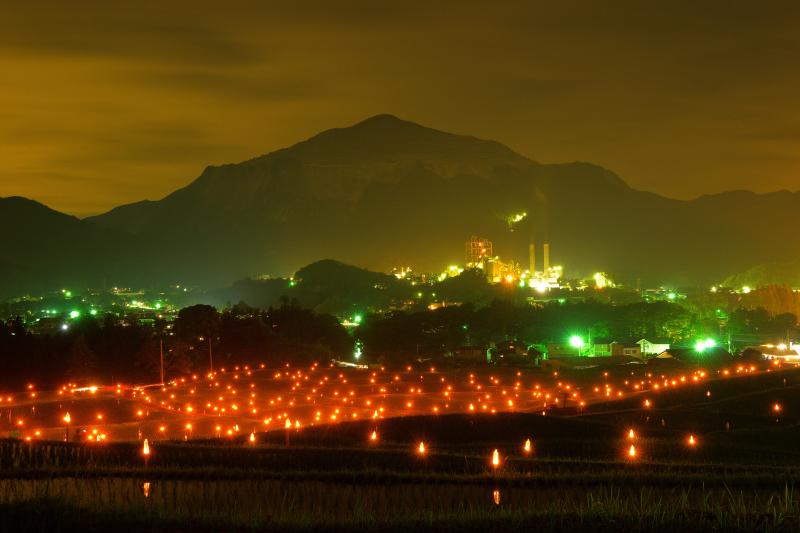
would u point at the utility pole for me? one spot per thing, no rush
(210, 356)
(161, 357)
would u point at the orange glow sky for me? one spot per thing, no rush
(104, 103)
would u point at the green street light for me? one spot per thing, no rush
(576, 341)
(700, 346)
(74, 313)
(703, 345)
(357, 319)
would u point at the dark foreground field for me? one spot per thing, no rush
(740, 475)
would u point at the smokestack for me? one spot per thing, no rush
(532, 257)
(546, 256)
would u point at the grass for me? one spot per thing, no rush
(120, 505)
(329, 479)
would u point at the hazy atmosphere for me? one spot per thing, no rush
(391, 267)
(108, 103)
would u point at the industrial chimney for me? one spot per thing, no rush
(532, 257)
(546, 256)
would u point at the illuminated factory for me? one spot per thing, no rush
(547, 278)
(479, 254)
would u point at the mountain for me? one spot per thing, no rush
(43, 249)
(388, 192)
(333, 195)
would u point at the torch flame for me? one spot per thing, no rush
(495, 458)
(373, 436)
(632, 451)
(146, 448)
(421, 448)
(527, 446)
(67, 418)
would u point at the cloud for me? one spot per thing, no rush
(111, 102)
(252, 85)
(121, 31)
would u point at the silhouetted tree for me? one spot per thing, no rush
(197, 321)
(82, 360)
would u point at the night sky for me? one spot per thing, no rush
(102, 104)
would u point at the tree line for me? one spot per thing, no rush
(431, 334)
(109, 349)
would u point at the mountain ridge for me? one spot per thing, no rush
(386, 192)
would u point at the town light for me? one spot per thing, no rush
(703, 345)
(576, 342)
(358, 351)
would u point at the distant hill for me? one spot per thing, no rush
(771, 273)
(327, 286)
(387, 192)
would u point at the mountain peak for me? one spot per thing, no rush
(386, 118)
(386, 138)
